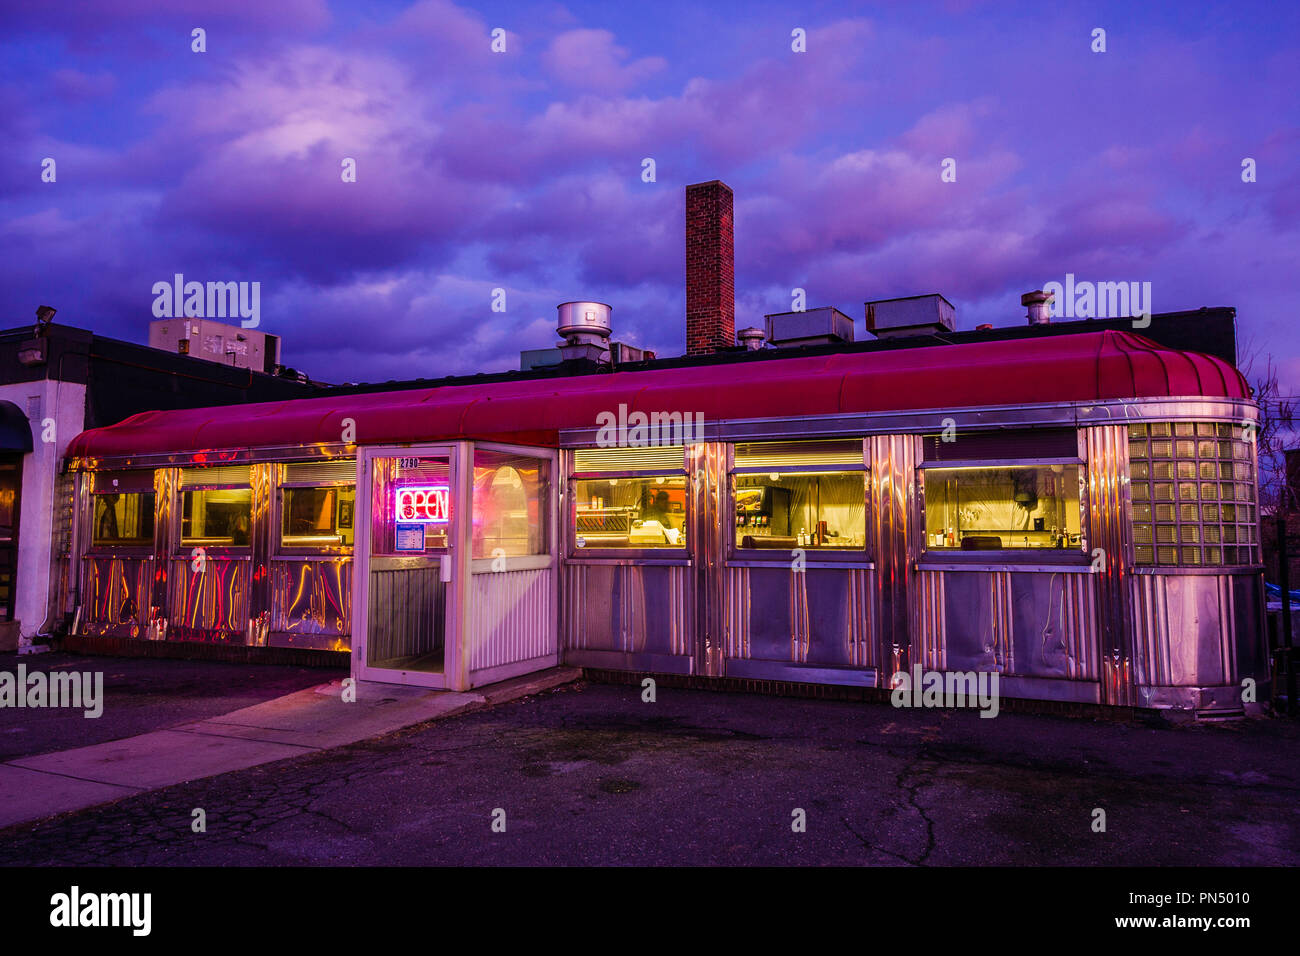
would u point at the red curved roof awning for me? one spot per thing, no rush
(1093, 366)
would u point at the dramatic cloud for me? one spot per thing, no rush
(521, 168)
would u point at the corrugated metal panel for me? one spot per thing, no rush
(792, 454)
(511, 617)
(930, 637)
(321, 471)
(655, 458)
(216, 475)
(407, 614)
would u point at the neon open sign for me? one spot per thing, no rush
(425, 503)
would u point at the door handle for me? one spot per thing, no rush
(444, 568)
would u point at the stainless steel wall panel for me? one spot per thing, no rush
(311, 603)
(1109, 539)
(1250, 647)
(1041, 626)
(263, 476)
(895, 538)
(972, 626)
(116, 595)
(635, 609)
(706, 465)
(1038, 624)
(165, 482)
(818, 616)
(930, 641)
(1186, 629)
(511, 617)
(209, 604)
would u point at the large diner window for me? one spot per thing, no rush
(123, 509)
(1193, 491)
(216, 506)
(317, 505)
(1003, 491)
(510, 495)
(809, 495)
(627, 498)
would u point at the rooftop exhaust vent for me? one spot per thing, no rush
(1040, 306)
(824, 326)
(912, 315)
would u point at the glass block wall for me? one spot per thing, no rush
(1194, 495)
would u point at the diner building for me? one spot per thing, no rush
(1072, 508)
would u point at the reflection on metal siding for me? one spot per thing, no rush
(819, 616)
(1110, 529)
(311, 603)
(209, 604)
(116, 591)
(1020, 623)
(164, 489)
(1185, 629)
(629, 608)
(895, 539)
(930, 643)
(511, 617)
(707, 462)
(407, 613)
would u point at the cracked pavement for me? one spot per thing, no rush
(589, 774)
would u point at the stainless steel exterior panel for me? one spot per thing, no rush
(311, 603)
(1109, 536)
(817, 616)
(1026, 623)
(706, 465)
(628, 608)
(116, 593)
(894, 530)
(1180, 629)
(210, 604)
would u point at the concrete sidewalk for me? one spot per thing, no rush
(32, 788)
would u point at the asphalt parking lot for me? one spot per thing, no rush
(590, 774)
(141, 695)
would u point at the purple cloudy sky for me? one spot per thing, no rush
(522, 170)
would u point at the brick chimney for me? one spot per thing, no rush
(710, 269)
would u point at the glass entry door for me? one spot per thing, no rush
(405, 563)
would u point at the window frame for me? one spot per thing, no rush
(133, 548)
(1068, 556)
(545, 504)
(737, 554)
(304, 550)
(671, 554)
(182, 550)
